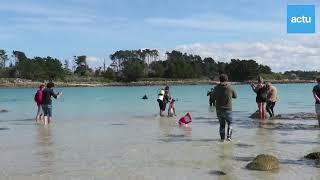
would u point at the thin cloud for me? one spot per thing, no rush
(295, 53)
(217, 22)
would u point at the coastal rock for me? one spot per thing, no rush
(3, 111)
(313, 156)
(297, 116)
(256, 115)
(264, 162)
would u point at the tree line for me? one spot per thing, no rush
(132, 65)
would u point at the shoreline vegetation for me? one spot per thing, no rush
(142, 67)
(25, 83)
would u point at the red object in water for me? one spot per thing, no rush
(185, 119)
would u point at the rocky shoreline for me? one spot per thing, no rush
(24, 83)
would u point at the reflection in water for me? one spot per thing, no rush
(166, 125)
(226, 153)
(45, 142)
(186, 130)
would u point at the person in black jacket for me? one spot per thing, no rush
(47, 93)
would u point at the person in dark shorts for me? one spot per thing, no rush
(271, 98)
(167, 96)
(211, 98)
(223, 95)
(161, 101)
(47, 93)
(261, 98)
(316, 95)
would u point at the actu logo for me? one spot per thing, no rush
(301, 19)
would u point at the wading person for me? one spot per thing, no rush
(47, 93)
(271, 98)
(166, 97)
(161, 101)
(223, 94)
(211, 98)
(261, 98)
(38, 100)
(316, 95)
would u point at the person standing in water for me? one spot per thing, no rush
(161, 101)
(261, 99)
(271, 98)
(211, 99)
(172, 109)
(47, 93)
(223, 95)
(316, 95)
(38, 100)
(167, 96)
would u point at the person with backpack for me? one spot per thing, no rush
(38, 100)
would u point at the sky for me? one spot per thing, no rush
(241, 29)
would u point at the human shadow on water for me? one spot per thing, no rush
(4, 128)
(45, 149)
(22, 124)
(207, 122)
(243, 159)
(203, 118)
(217, 173)
(183, 138)
(244, 145)
(292, 161)
(18, 120)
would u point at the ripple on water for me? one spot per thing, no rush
(217, 173)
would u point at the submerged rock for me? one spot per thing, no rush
(297, 116)
(313, 156)
(3, 110)
(264, 162)
(256, 115)
(290, 116)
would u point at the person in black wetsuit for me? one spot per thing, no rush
(211, 98)
(261, 90)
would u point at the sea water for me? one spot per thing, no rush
(111, 133)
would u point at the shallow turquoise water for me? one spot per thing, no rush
(125, 102)
(111, 133)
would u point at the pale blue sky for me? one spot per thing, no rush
(64, 28)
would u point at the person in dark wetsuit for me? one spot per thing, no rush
(47, 93)
(167, 96)
(261, 90)
(316, 95)
(211, 97)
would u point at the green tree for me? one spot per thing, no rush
(133, 69)
(109, 74)
(82, 68)
(3, 58)
(157, 69)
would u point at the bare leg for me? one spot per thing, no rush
(263, 110)
(260, 111)
(45, 120)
